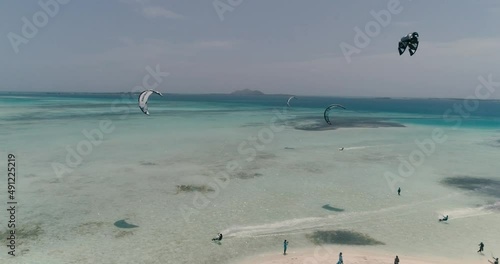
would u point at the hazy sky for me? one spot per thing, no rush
(279, 46)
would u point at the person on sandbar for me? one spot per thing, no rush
(285, 246)
(481, 247)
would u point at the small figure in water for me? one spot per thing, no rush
(285, 245)
(341, 261)
(342, 148)
(495, 259)
(218, 238)
(481, 247)
(444, 219)
(399, 191)
(396, 260)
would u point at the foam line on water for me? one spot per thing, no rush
(301, 225)
(365, 147)
(468, 212)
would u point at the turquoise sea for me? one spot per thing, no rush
(100, 182)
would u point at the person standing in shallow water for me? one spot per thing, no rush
(285, 245)
(481, 247)
(396, 260)
(399, 191)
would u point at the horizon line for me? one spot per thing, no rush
(256, 95)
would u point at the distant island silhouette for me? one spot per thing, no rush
(247, 92)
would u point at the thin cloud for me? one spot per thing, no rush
(467, 47)
(151, 11)
(215, 44)
(494, 11)
(157, 11)
(134, 1)
(405, 23)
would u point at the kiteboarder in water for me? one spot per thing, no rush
(444, 219)
(218, 238)
(495, 261)
(399, 191)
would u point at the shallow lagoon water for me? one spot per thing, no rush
(280, 193)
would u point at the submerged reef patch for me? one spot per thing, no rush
(90, 228)
(147, 163)
(194, 188)
(122, 233)
(483, 186)
(342, 237)
(247, 175)
(26, 233)
(315, 124)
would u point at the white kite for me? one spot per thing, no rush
(143, 100)
(290, 99)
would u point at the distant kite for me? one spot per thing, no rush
(327, 111)
(143, 100)
(411, 41)
(290, 99)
